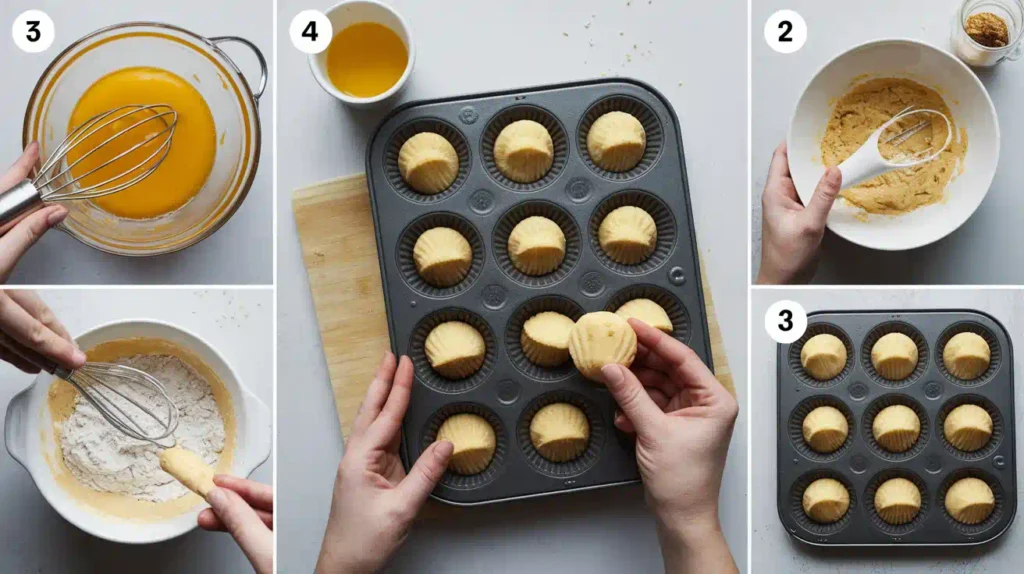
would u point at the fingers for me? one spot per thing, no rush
(659, 398)
(245, 526)
(24, 235)
(21, 168)
(675, 358)
(208, 520)
(779, 168)
(425, 474)
(824, 196)
(26, 330)
(35, 306)
(385, 429)
(259, 496)
(633, 399)
(378, 392)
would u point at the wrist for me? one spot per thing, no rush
(690, 529)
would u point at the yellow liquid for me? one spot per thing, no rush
(366, 59)
(189, 160)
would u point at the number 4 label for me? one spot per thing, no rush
(33, 31)
(785, 31)
(311, 31)
(785, 321)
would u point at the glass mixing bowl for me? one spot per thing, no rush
(216, 77)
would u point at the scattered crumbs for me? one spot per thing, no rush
(566, 34)
(586, 25)
(634, 46)
(680, 83)
(629, 2)
(604, 75)
(621, 33)
(629, 58)
(592, 42)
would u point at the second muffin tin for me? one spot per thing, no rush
(932, 463)
(495, 298)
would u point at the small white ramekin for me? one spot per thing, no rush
(347, 13)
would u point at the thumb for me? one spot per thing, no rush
(824, 196)
(636, 404)
(245, 526)
(425, 474)
(24, 235)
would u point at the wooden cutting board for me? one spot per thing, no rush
(340, 252)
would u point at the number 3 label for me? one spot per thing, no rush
(785, 31)
(785, 321)
(311, 32)
(33, 31)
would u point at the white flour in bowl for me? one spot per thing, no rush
(104, 459)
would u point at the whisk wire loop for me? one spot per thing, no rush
(99, 384)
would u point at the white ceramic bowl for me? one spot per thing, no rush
(28, 433)
(351, 12)
(971, 107)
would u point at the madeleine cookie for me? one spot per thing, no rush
(599, 339)
(823, 356)
(628, 235)
(560, 432)
(474, 442)
(647, 311)
(428, 163)
(894, 356)
(825, 429)
(616, 141)
(896, 428)
(523, 151)
(545, 338)
(970, 501)
(442, 256)
(966, 356)
(826, 501)
(968, 427)
(897, 501)
(536, 246)
(455, 349)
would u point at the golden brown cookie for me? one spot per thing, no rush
(523, 151)
(825, 429)
(897, 501)
(970, 501)
(826, 501)
(560, 432)
(823, 356)
(616, 141)
(474, 441)
(455, 349)
(428, 163)
(442, 256)
(647, 311)
(968, 427)
(966, 356)
(894, 356)
(545, 338)
(896, 428)
(628, 235)
(536, 246)
(599, 339)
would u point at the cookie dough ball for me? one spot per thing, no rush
(545, 338)
(823, 356)
(825, 429)
(826, 501)
(894, 356)
(474, 442)
(536, 246)
(599, 339)
(428, 163)
(897, 501)
(970, 501)
(616, 141)
(560, 432)
(896, 428)
(968, 427)
(966, 356)
(647, 311)
(455, 350)
(523, 151)
(442, 256)
(628, 235)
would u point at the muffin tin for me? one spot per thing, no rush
(932, 463)
(496, 299)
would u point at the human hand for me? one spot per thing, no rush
(245, 509)
(26, 322)
(17, 238)
(683, 418)
(791, 233)
(375, 502)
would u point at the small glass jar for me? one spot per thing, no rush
(977, 55)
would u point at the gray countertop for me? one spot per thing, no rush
(773, 547)
(522, 44)
(970, 255)
(242, 251)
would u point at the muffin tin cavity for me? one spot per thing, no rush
(470, 481)
(673, 307)
(974, 530)
(894, 327)
(796, 427)
(872, 512)
(639, 110)
(868, 419)
(407, 265)
(573, 467)
(514, 331)
(559, 140)
(795, 505)
(503, 228)
(796, 348)
(997, 426)
(441, 128)
(426, 374)
(993, 346)
(663, 219)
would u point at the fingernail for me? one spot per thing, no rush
(611, 373)
(56, 216)
(216, 497)
(78, 357)
(443, 450)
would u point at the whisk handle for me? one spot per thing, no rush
(45, 363)
(17, 203)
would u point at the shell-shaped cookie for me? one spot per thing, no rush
(473, 439)
(967, 355)
(894, 356)
(523, 151)
(823, 356)
(970, 501)
(616, 141)
(536, 246)
(628, 235)
(455, 349)
(442, 256)
(825, 429)
(647, 311)
(560, 432)
(545, 338)
(897, 501)
(428, 163)
(826, 501)
(600, 339)
(968, 427)
(896, 428)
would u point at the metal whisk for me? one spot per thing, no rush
(55, 180)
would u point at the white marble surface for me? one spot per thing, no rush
(241, 252)
(972, 254)
(465, 47)
(773, 548)
(33, 537)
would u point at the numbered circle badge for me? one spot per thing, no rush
(785, 321)
(311, 31)
(785, 31)
(33, 31)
